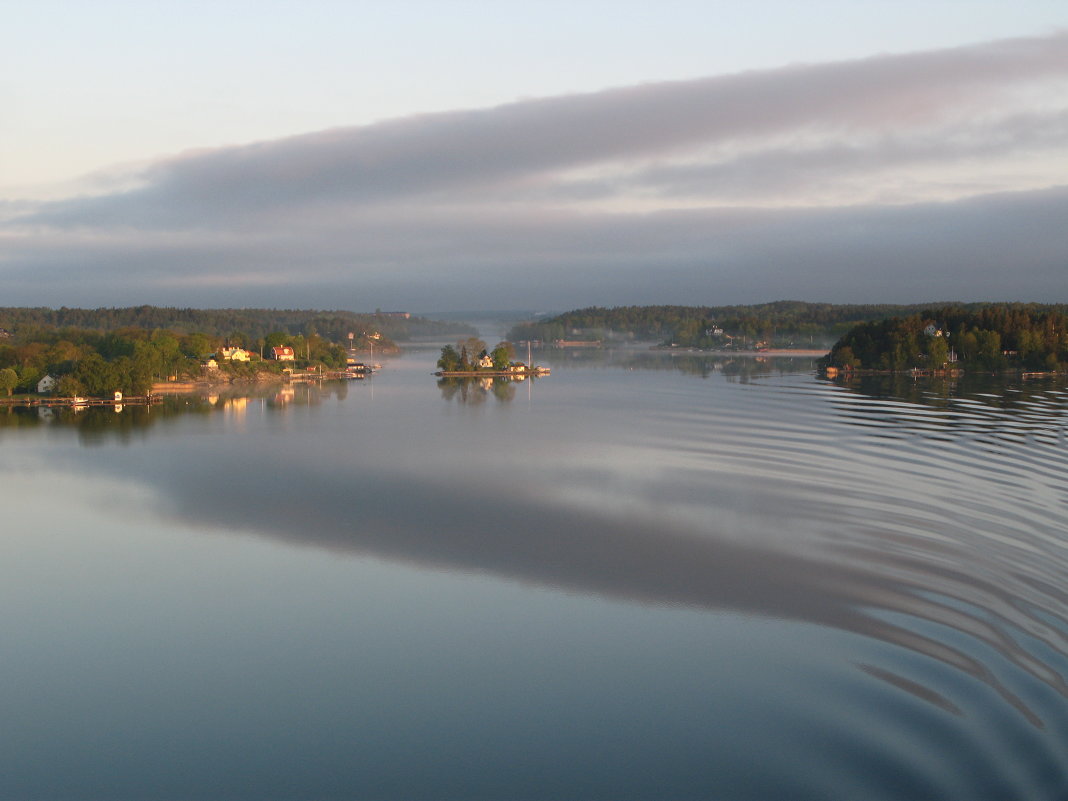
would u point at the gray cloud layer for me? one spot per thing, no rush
(600, 197)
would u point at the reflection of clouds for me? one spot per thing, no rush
(755, 499)
(446, 525)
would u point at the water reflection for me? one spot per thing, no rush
(878, 592)
(994, 409)
(473, 391)
(781, 497)
(703, 364)
(1008, 392)
(852, 536)
(124, 422)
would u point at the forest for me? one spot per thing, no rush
(247, 325)
(994, 337)
(784, 323)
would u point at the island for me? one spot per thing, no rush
(470, 358)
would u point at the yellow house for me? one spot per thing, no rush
(235, 354)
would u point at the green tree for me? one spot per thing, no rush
(937, 352)
(197, 345)
(450, 359)
(502, 355)
(9, 379)
(967, 345)
(238, 339)
(69, 387)
(843, 357)
(990, 349)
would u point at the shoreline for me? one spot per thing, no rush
(804, 353)
(536, 371)
(132, 400)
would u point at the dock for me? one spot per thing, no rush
(78, 402)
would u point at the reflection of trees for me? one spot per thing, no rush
(1008, 392)
(474, 390)
(991, 405)
(704, 365)
(97, 424)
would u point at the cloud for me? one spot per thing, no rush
(636, 554)
(1007, 246)
(772, 172)
(637, 189)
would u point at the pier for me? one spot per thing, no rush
(78, 402)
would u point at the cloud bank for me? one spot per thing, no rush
(897, 178)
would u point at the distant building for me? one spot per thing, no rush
(235, 354)
(283, 354)
(47, 384)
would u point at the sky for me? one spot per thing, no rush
(439, 156)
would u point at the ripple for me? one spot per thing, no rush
(948, 511)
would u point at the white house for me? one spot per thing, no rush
(47, 384)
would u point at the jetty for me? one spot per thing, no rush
(79, 402)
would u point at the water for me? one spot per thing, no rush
(646, 576)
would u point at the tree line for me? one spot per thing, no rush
(781, 323)
(247, 325)
(993, 337)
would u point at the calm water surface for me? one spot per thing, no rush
(647, 576)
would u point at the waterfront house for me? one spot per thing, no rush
(283, 353)
(235, 354)
(47, 384)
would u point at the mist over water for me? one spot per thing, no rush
(648, 575)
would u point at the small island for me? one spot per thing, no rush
(470, 358)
